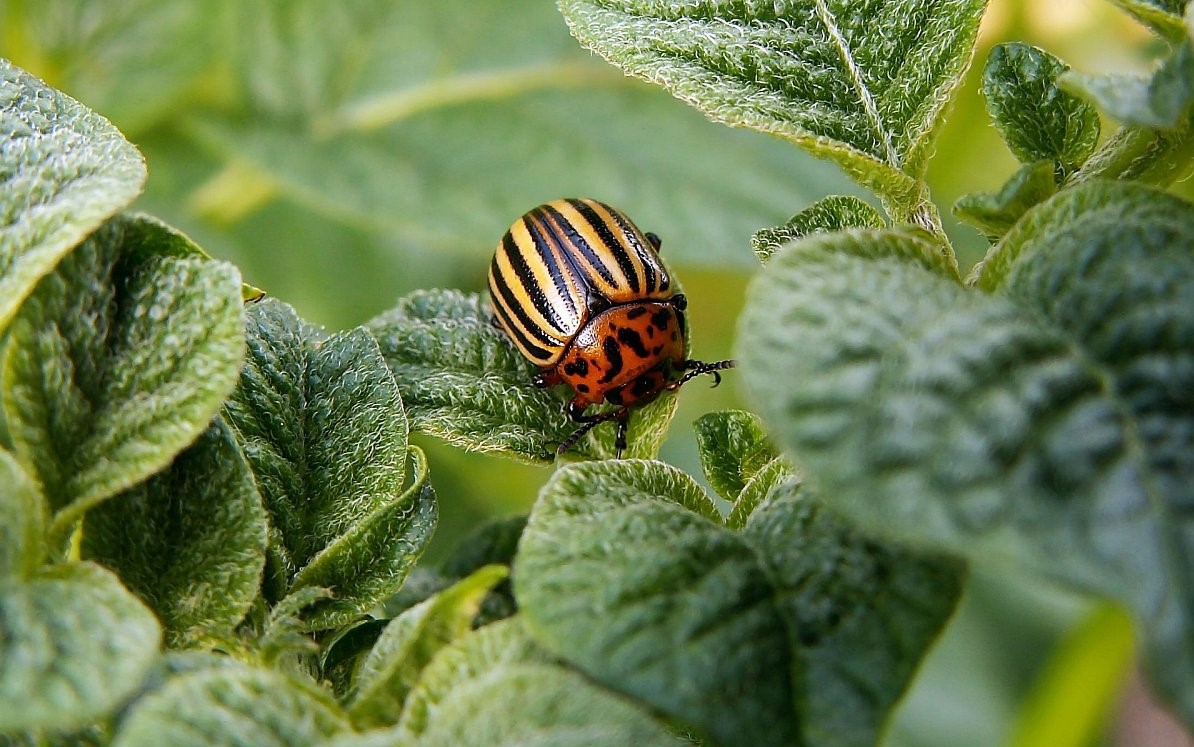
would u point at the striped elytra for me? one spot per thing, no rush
(583, 294)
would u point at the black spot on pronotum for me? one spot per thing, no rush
(632, 340)
(613, 354)
(657, 350)
(578, 367)
(582, 388)
(662, 319)
(636, 312)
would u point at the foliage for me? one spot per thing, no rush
(212, 514)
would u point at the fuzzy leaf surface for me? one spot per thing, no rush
(861, 84)
(74, 644)
(994, 214)
(116, 362)
(733, 448)
(463, 381)
(496, 686)
(626, 570)
(409, 642)
(1162, 101)
(190, 541)
(833, 213)
(237, 707)
(63, 170)
(1162, 16)
(22, 520)
(1049, 426)
(322, 424)
(1039, 120)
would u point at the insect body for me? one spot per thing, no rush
(583, 294)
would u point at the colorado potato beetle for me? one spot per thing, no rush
(583, 295)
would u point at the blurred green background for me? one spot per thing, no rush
(345, 153)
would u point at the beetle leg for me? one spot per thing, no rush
(699, 368)
(590, 422)
(495, 323)
(620, 439)
(544, 379)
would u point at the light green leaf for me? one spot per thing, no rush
(994, 214)
(619, 576)
(1049, 427)
(1160, 102)
(74, 644)
(733, 448)
(1039, 120)
(118, 360)
(1143, 154)
(22, 520)
(408, 643)
(1162, 16)
(863, 86)
(323, 426)
(190, 541)
(495, 686)
(370, 560)
(834, 213)
(463, 381)
(65, 170)
(238, 707)
(768, 478)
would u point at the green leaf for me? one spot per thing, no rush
(408, 643)
(1162, 101)
(617, 574)
(1039, 120)
(1049, 426)
(118, 360)
(190, 541)
(493, 542)
(769, 477)
(863, 87)
(463, 381)
(495, 686)
(994, 214)
(370, 560)
(74, 644)
(65, 170)
(1162, 16)
(22, 520)
(233, 708)
(733, 448)
(834, 213)
(323, 426)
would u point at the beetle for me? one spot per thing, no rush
(583, 294)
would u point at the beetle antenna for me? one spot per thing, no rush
(700, 368)
(589, 425)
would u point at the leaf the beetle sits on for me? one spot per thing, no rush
(1049, 425)
(116, 362)
(74, 644)
(626, 571)
(835, 213)
(863, 85)
(994, 214)
(464, 382)
(1039, 120)
(66, 170)
(190, 540)
(22, 520)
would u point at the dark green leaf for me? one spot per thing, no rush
(495, 686)
(834, 213)
(1160, 102)
(493, 542)
(863, 86)
(994, 214)
(238, 707)
(1050, 426)
(370, 560)
(190, 541)
(63, 170)
(22, 520)
(1039, 120)
(410, 640)
(116, 362)
(733, 447)
(617, 574)
(464, 382)
(74, 644)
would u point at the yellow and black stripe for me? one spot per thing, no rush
(555, 260)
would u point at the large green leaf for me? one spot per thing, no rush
(236, 707)
(322, 424)
(834, 213)
(63, 170)
(994, 214)
(795, 630)
(1050, 426)
(22, 520)
(860, 83)
(190, 541)
(464, 382)
(74, 644)
(116, 362)
(496, 686)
